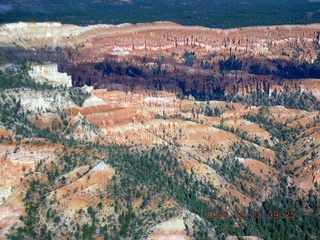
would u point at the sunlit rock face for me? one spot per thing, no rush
(160, 38)
(152, 56)
(48, 73)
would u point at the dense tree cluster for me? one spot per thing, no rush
(78, 95)
(215, 14)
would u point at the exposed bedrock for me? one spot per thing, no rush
(185, 81)
(201, 62)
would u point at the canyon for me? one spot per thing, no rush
(237, 110)
(167, 56)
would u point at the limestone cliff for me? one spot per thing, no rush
(48, 73)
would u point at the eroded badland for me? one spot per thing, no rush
(170, 124)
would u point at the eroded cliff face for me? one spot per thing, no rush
(48, 73)
(182, 60)
(162, 38)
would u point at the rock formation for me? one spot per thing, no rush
(179, 59)
(48, 73)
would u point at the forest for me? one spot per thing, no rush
(213, 14)
(155, 172)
